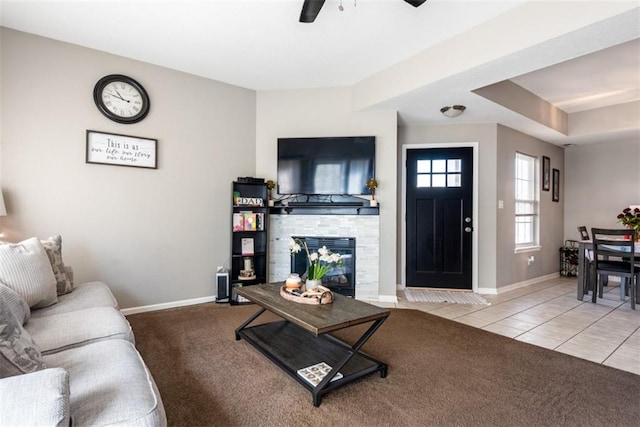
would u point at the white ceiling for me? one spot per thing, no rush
(259, 44)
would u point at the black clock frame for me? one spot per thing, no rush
(106, 80)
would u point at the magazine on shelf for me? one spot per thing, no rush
(238, 221)
(249, 222)
(259, 221)
(247, 246)
(315, 373)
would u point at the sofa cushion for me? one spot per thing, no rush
(53, 248)
(67, 330)
(25, 268)
(15, 303)
(18, 353)
(110, 384)
(37, 399)
(85, 295)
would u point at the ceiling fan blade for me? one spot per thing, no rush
(415, 3)
(310, 9)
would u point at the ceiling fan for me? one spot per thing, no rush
(311, 8)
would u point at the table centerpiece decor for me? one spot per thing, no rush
(319, 263)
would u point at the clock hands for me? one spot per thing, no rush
(121, 96)
(117, 95)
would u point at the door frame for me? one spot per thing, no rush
(403, 208)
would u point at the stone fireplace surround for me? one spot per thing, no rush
(364, 228)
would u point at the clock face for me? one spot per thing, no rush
(121, 99)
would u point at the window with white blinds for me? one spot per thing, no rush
(526, 199)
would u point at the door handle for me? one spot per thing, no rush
(468, 229)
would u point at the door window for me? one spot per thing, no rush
(439, 173)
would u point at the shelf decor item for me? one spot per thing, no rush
(630, 218)
(372, 184)
(270, 186)
(319, 263)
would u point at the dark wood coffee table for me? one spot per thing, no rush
(303, 338)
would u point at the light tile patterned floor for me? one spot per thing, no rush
(549, 315)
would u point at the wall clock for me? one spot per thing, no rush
(121, 99)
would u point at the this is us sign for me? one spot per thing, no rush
(122, 150)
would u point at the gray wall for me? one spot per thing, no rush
(601, 180)
(513, 268)
(153, 235)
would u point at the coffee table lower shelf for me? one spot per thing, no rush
(293, 348)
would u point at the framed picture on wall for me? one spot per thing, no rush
(546, 170)
(122, 150)
(556, 186)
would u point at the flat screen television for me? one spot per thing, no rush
(326, 166)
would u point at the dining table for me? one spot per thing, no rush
(584, 277)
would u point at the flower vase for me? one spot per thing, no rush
(312, 283)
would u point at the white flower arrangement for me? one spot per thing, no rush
(320, 262)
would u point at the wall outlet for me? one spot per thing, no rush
(530, 260)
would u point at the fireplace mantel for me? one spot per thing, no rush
(334, 209)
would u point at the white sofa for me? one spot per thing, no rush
(81, 366)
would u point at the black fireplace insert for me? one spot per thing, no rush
(340, 279)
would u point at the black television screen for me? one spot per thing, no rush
(333, 165)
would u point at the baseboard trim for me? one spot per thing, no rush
(514, 286)
(167, 305)
(388, 298)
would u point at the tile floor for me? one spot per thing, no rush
(548, 314)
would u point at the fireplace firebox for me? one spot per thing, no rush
(340, 279)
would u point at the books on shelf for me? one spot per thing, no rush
(248, 221)
(315, 373)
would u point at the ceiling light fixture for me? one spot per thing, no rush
(453, 110)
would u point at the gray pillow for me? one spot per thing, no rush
(16, 303)
(53, 248)
(18, 353)
(25, 268)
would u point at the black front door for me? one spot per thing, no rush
(439, 217)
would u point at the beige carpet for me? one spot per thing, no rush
(441, 373)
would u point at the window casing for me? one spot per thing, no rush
(527, 206)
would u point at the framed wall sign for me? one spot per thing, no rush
(546, 170)
(556, 185)
(121, 150)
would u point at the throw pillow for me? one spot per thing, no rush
(18, 353)
(25, 268)
(53, 248)
(15, 303)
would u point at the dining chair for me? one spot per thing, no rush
(614, 254)
(588, 257)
